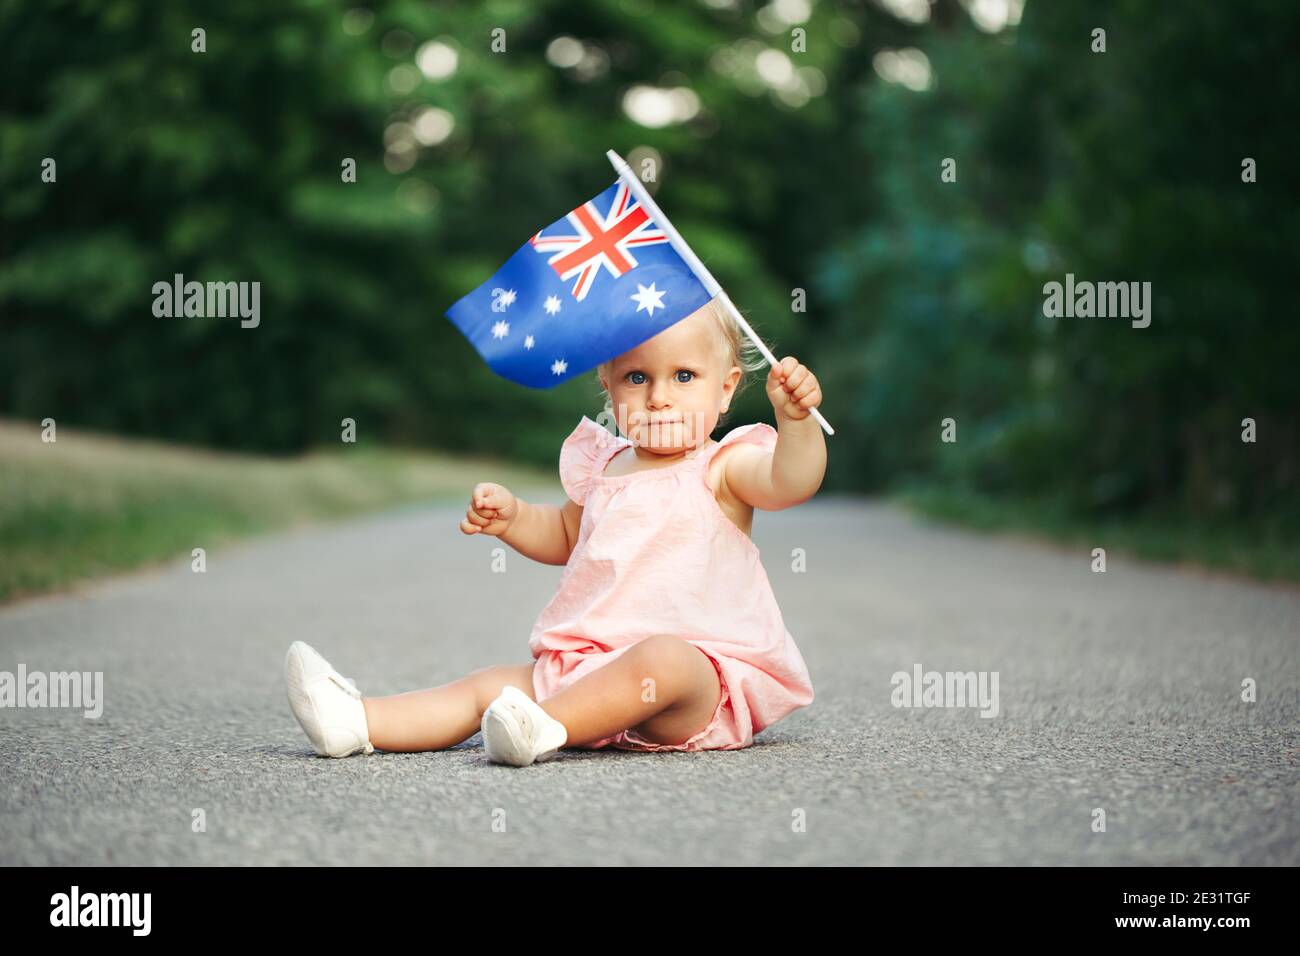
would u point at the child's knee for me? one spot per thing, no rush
(668, 657)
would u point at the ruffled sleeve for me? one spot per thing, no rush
(758, 433)
(586, 449)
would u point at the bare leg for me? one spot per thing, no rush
(442, 716)
(685, 693)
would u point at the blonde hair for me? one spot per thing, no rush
(734, 346)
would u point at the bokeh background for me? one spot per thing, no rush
(814, 169)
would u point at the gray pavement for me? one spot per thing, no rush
(1118, 691)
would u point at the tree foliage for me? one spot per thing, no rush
(925, 297)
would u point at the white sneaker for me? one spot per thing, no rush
(518, 732)
(327, 704)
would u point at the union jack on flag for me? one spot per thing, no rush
(601, 241)
(581, 291)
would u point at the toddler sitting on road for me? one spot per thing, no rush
(665, 634)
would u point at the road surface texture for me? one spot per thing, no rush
(1118, 692)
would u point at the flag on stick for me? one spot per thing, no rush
(583, 290)
(589, 287)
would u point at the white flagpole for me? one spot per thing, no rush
(701, 273)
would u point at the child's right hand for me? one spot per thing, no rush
(491, 510)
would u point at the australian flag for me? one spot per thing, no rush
(585, 289)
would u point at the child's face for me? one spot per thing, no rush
(669, 391)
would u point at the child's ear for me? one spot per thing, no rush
(730, 382)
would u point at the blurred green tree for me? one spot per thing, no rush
(1116, 166)
(801, 170)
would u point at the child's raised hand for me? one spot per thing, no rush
(793, 389)
(491, 509)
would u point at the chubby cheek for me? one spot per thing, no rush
(624, 400)
(626, 409)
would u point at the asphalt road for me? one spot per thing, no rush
(1119, 691)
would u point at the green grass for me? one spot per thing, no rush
(1263, 550)
(88, 505)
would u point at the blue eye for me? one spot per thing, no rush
(638, 378)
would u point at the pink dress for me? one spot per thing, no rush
(656, 554)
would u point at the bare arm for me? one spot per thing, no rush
(545, 533)
(778, 479)
(792, 473)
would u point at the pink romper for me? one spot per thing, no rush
(656, 554)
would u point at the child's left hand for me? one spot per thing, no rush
(793, 389)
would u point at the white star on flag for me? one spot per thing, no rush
(528, 341)
(559, 366)
(552, 304)
(649, 299)
(499, 330)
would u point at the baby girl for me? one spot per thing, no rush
(664, 633)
